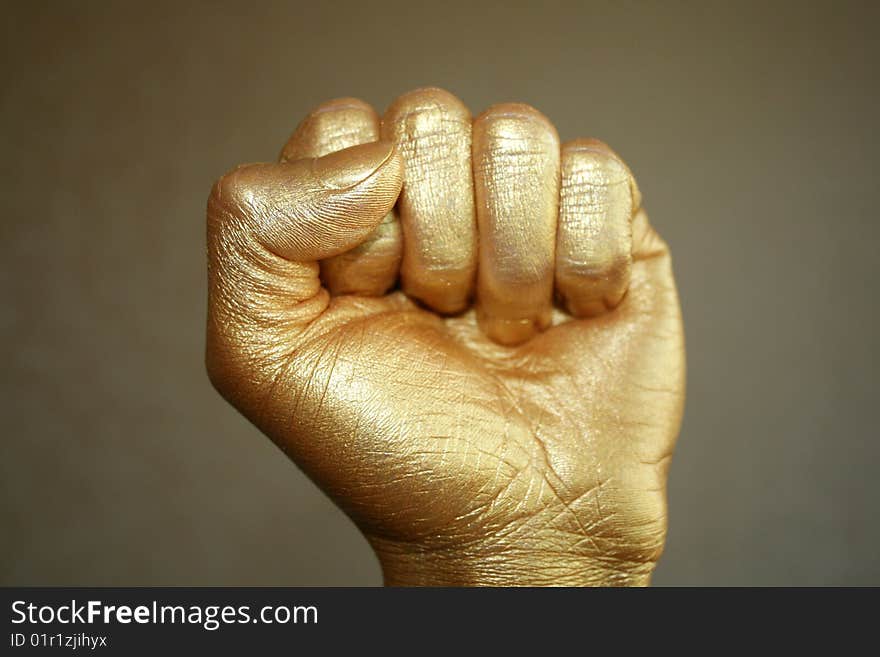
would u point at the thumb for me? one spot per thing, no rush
(309, 209)
(268, 225)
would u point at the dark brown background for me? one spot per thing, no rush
(753, 134)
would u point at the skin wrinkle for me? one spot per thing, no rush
(510, 443)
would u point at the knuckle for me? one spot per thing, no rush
(590, 168)
(228, 185)
(233, 192)
(425, 101)
(516, 122)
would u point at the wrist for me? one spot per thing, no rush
(406, 564)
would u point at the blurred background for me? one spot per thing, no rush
(752, 130)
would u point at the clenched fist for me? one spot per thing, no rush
(467, 335)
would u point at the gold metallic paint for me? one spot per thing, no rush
(432, 130)
(594, 239)
(371, 267)
(516, 179)
(463, 460)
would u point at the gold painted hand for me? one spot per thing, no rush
(502, 440)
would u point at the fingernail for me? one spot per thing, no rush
(512, 332)
(351, 166)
